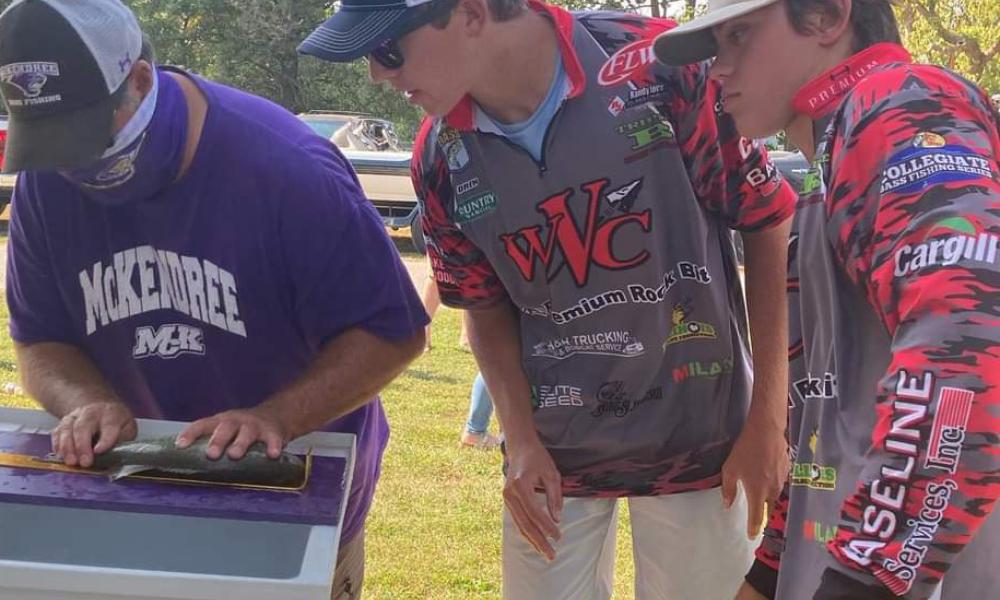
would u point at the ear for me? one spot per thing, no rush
(141, 77)
(473, 16)
(833, 27)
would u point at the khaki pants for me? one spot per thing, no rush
(686, 547)
(349, 573)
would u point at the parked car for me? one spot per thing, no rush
(385, 179)
(6, 181)
(381, 162)
(354, 131)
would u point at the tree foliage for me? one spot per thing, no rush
(251, 44)
(963, 35)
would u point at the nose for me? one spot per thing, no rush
(721, 69)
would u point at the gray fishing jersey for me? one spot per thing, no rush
(616, 247)
(895, 341)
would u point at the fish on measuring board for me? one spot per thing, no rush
(160, 457)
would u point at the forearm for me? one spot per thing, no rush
(348, 372)
(495, 341)
(766, 255)
(61, 377)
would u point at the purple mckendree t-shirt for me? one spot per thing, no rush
(223, 288)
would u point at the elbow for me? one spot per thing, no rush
(412, 347)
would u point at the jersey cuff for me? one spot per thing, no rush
(763, 579)
(837, 586)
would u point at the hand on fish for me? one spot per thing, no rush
(162, 457)
(107, 422)
(234, 431)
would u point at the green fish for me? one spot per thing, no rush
(160, 457)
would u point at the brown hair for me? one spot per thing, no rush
(500, 10)
(872, 21)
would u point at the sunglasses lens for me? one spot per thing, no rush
(388, 55)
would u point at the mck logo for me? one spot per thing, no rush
(580, 248)
(169, 341)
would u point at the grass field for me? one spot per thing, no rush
(434, 532)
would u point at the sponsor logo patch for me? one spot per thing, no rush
(641, 96)
(454, 149)
(930, 160)
(629, 61)
(30, 78)
(168, 341)
(634, 293)
(948, 429)
(703, 369)
(552, 396)
(687, 329)
(820, 533)
(962, 244)
(817, 388)
(616, 106)
(814, 476)
(580, 248)
(764, 179)
(898, 574)
(887, 493)
(614, 400)
(473, 208)
(604, 343)
(466, 186)
(647, 134)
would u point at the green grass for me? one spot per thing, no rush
(434, 532)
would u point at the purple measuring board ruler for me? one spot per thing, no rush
(317, 504)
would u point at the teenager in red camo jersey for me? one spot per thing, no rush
(579, 201)
(895, 296)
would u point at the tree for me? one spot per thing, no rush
(963, 35)
(251, 44)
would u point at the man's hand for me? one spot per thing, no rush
(108, 422)
(234, 431)
(759, 460)
(528, 468)
(746, 592)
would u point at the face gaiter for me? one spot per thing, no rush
(146, 155)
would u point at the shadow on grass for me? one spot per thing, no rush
(423, 375)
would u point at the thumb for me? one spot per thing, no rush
(553, 495)
(729, 483)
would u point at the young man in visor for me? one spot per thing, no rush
(895, 298)
(578, 202)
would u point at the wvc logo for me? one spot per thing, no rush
(168, 341)
(579, 248)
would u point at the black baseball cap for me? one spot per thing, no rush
(361, 25)
(62, 64)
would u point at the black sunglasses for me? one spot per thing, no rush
(388, 54)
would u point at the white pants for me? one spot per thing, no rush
(685, 546)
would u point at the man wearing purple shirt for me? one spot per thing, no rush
(183, 250)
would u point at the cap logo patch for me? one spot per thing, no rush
(125, 63)
(30, 78)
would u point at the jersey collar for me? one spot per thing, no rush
(823, 94)
(463, 115)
